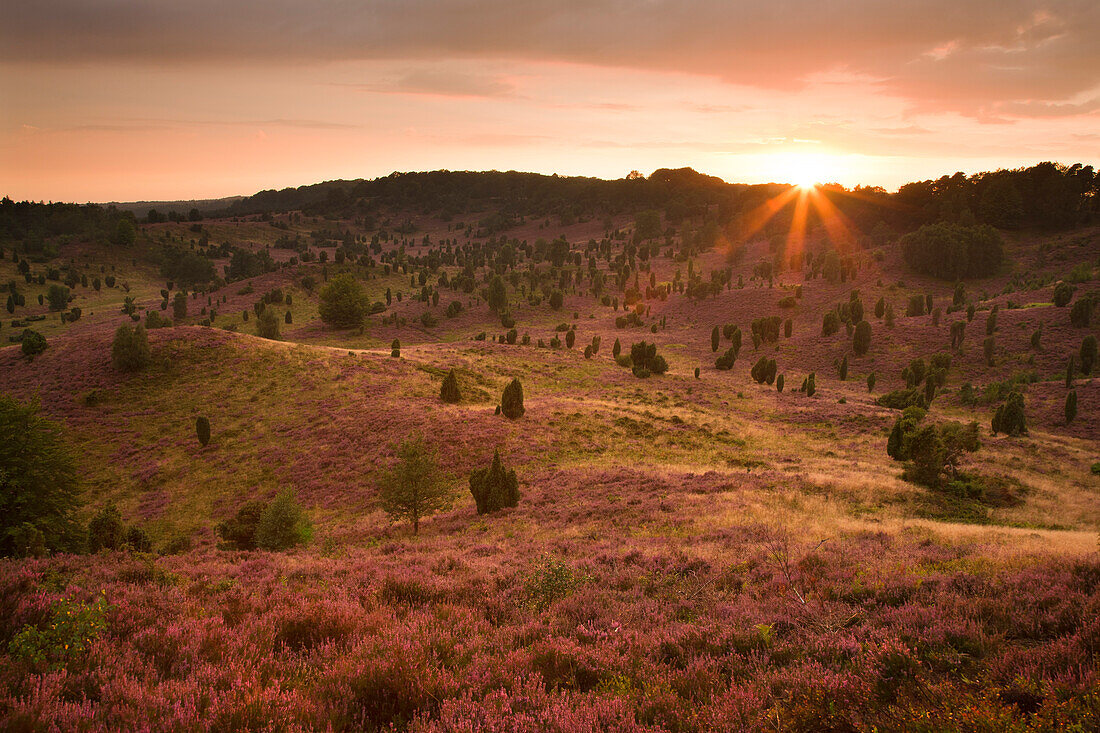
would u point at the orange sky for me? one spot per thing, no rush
(147, 100)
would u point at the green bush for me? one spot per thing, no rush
(644, 360)
(65, 638)
(494, 488)
(900, 399)
(239, 532)
(106, 531)
(1063, 294)
(830, 323)
(343, 303)
(33, 343)
(1071, 406)
(283, 524)
(395, 348)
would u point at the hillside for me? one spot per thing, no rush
(692, 550)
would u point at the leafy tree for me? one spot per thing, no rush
(414, 487)
(830, 323)
(202, 430)
(494, 488)
(32, 343)
(39, 489)
(130, 349)
(343, 303)
(106, 531)
(283, 524)
(449, 391)
(1009, 417)
(647, 225)
(511, 402)
(267, 325)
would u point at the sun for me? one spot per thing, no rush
(806, 169)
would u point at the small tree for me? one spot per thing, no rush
(842, 370)
(32, 343)
(343, 303)
(202, 430)
(106, 530)
(449, 391)
(414, 487)
(715, 339)
(494, 488)
(861, 340)
(267, 325)
(498, 295)
(1088, 354)
(1063, 293)
(58, 296)
(283, 524)
(779, 383)
(989, 349)
(871, 379)
(511, 402)
(395, 349)
(130, 349)
(179, 306)
(1071, 406)
(1009, 417)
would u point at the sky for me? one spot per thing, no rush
(134, 100)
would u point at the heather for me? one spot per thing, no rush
(373, 470)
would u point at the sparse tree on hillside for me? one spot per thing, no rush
(449, 391)
(511, 402)
(343, 304)
(414, 487)
(130, 349)
(494, 488)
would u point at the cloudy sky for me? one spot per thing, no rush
(163, 99)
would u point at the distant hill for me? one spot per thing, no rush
(141, 208)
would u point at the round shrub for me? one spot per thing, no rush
(33, 343)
